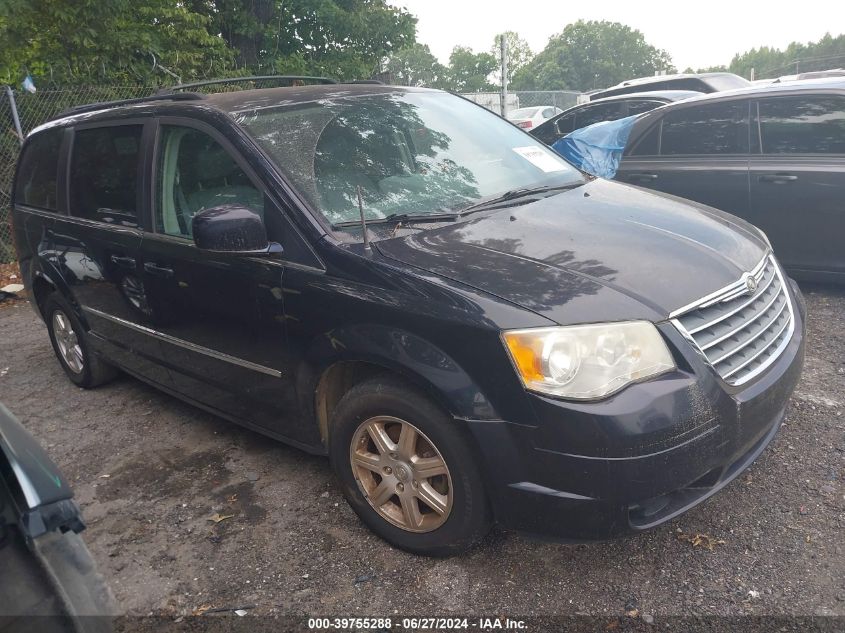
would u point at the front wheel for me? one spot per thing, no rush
(406, 469)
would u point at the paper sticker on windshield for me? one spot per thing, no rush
(540, 158)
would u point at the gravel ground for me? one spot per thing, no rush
(150, 471)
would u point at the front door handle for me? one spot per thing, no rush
(777, 178)
(644, 177)
(124, 262)
(158, 271)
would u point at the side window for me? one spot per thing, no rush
(639, 106)
(803, 125)
(719, 128)
(104, 174)
(36, 183)
(194, 173)
(648, 144)
(548, 113)
(597, 113)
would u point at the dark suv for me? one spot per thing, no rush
(470, 328)
(609, 109)
(774, 156)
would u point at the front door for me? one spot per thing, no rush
(798, 180)
(699, 153)
(218, 317)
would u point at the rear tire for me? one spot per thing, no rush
(69, 339)
(418, 486)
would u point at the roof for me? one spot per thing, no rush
(225, 102)
(806, 85)
(266, 97)
(655, 78)
(670, 95)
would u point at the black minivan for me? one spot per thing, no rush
(469, 327)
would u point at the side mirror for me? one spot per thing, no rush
(234, 229)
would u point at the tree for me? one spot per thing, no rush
(118, 40)
(141, 40)
(593, 54)
(415, 65)
(767, 62)
(519, 52)
(468, 71)
(347, 39)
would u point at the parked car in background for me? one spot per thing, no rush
(608, 109)
(700, 82)
(774, 156)
(505, 339)
(528, 118)
(815, 74)
(48, 580)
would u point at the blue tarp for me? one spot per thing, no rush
(597, 148)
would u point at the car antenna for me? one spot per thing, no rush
(363, 221)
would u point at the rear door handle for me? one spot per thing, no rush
(643, 177)
(158, 271)
(124, 262)
(777, 178)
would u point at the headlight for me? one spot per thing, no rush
(585, 362)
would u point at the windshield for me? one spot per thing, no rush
(410, 153)
(523, 113)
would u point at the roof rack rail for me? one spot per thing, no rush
(102, 105)
(365, 81)
(232, 80)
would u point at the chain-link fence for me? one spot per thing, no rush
(34, 109)
(561, 99)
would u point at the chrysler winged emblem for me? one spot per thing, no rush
(750, 284)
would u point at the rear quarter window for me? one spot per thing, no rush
(803, 125)
(38, 170)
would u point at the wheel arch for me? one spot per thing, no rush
(343, 358)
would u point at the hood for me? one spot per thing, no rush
(565, 256)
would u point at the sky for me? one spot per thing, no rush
(696, 34)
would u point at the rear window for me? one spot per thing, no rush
(803, 125)
(718, 128)
(38, 169)
(104, 174)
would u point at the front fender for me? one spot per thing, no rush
(42, 497)
(401, 352)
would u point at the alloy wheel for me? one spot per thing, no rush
(401, 474)
(68, 342)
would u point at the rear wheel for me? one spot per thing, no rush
(68, 338)
(407, 470)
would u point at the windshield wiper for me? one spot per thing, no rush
(515, 194)
(401, 217)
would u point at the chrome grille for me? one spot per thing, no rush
(738, 332)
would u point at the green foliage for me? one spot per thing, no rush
(468, 71)
(131, 41)
(593, 54)
(767, 62)
(519, 52)
(415, 66)
(346, 39)
(118, 40)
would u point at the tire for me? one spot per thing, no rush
(459, 515)
(53, 583)
(83, 367)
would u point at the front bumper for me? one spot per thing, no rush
(588, 471)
